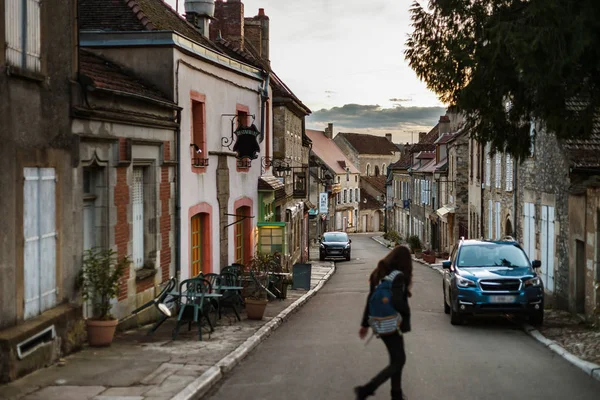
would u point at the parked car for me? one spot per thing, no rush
(492, 277)
(335, 245)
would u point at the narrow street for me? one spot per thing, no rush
(317, 353)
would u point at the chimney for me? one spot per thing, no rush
(199, 13)
(444, 125)
(329, 131)
(256, 32)
(388, 136)
(229, 22)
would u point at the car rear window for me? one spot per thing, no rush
(335, 237)
(488, 255)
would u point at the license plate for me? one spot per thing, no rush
(502, 299)
(335, 252)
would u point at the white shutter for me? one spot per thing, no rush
(498, 171)
(138, 217)
(32, 249)
(488, 170)
(39, 229)
(498, 230)
(490, 218)
(548, 247)
(509, 173)
(18, 35)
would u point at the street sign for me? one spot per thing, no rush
(323, 203)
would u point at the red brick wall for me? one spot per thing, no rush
(122, 227)
(122, 149)
(167, 151)
(165, 223)
(229, 19)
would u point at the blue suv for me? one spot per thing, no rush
(492, 277)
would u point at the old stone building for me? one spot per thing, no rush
(458, 186)
(371, 154)
(40, 231)
(343, 192)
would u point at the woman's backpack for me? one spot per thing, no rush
(383, 317)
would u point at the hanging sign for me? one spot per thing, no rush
(323, 203)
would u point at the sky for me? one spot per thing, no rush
(344, 59)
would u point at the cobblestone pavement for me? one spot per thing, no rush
(573, 334)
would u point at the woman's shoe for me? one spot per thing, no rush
(361, 393)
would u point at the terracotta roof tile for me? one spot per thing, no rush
(136, 15)
(369, 144)
(108, 75)
(329, 152)
(269, 182)
(376, 182)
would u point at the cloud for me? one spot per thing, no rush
(399, 100)
(374, 117)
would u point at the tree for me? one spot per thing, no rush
(505, 63)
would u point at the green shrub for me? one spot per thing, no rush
(392, 236)
(414, 243)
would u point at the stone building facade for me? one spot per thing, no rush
(458, 186)
(40, 231)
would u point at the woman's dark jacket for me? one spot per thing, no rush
(399, 301)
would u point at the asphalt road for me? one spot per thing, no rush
(317, 353)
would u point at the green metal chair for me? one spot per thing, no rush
(231, 298)
(193, 304)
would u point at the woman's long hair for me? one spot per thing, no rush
(397, 259)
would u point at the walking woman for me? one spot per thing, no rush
(397, 268)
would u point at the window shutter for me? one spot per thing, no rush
(509, 173)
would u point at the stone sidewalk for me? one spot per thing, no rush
(562, 333)
(141, 367)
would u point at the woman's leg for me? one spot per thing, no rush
(395, 347)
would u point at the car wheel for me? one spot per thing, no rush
(537, 318)
(446, 306)
(455, 317)
(348, 257)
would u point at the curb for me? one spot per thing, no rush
(589, 368)
(201, 385)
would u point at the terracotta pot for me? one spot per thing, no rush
(101, 333)
(256, 308)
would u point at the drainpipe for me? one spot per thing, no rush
(264, 96)
(178, 199)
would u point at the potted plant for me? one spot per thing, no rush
(99, 279)
(256, 300)
(429, 257)
(415, 245)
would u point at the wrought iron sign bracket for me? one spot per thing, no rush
(242, 218)
(228, 141)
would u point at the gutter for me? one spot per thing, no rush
(178, 199)
(264, 96)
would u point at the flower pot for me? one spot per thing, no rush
(256, 308)
(101, 333)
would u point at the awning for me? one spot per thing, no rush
(445, 210)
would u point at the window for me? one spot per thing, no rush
(23, 42)
(345, 196)
(377, 170)
(198, 132)
(199, 244)
(351, 193)
(338, 197)
(509, 173)
(383, 170)
(355, 178)
(356, 196)
(242, 120)
(488, 167)
(498, 171)
(39, 231)
(368, 169)
(271, 239)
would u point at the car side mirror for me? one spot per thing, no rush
(446, 264)
(536, 264)
(349, 240)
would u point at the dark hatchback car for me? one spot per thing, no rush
(492, 277)
(335, 245)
